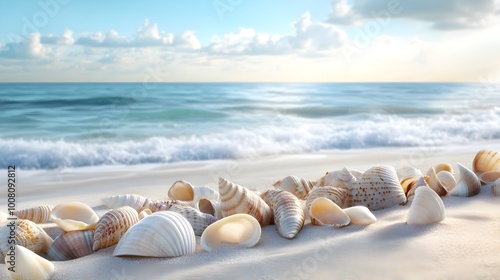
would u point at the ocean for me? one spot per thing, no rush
(58, 125)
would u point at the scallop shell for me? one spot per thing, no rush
(338, 195)
(297, 186)
(133, 200)
(489, 176)
(337, 178)
(71, 245)
(74, 216)
(323, 212)
(210, 207)
(447, 179)
(408, 171)
(29, 265)
(241, 229)
(468, 185)
(377, 188)
(157, 205)
(236, 199)
(184, 191)
(486, 161)
(113, 225)
(144, 213)
(426, 208)
(360, 215)
(287, 210)
(496, 188)
(161, 234)
(421, 182)
(435, 183)
(28, 234)
(38, 214)
(198, 220)
(443, 167)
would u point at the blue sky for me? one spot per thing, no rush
(243, 40)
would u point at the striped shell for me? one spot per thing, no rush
(468, 185)
(297, 186)
(30, 266)
(337, 178)
(133, 200)
(28, 234)
(236, 199)
(198, 220)
(71, 245)
(436, 184)
(486, 161)
(426, 208)
(323, 212)
(37, 214)
(74, 216)
(240, 229)
(287, 210)
(184, 191)
(113, 225)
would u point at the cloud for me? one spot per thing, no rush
(187, 40)
(443, 14)
(31, 47)
(66, 39)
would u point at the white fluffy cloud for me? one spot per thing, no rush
(66, 39)
(29, 48)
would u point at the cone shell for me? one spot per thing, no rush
(323, 212)
(447, 179)
(30, 266)
(444, 167)
(161, 234)
(408, 171)
(338, 178)
(210, 207)
(486, 161)
(184, 191)
(377, 188)
(287, 211)
(489, 176)
(74, 216)
(434, 182)
(113, 225)
(157, 205)
(468, 185)
(198, 220)
(28, 235)
(421, 182)
(236, 199)
(360, 215)
(338, 195)
(38, 214)
(240, 229)
(496, 188)
(426, 208)
(133, 200)
(71, 245)
(297, 186)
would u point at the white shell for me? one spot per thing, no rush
(426, 208)
(419, 183)
(447, 179)
(37, 214)
(338, 195)
(468, 185)
(161, 234)
(29, 266)
(496, 188)
(360, 215)
(486, 161)
(211, 207)
(287, 210)
(144, 213)
(338, 178)
(241, 229)
(435, 183)
(198, 220)
(184, 191)
(133, 200)
(74, 216)
(298, 186)
(408, 171)
(326, 212)
(444, 167)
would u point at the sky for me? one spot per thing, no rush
(250, 41)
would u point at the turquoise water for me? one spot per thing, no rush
(46, 125)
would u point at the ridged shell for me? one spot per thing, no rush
(360, 215)
(74, 216)
(30, 266)
(468, 185)
(447, 179)
(377, 188)
(210, 207)
(184, 191)
(443, 167)
(421, 182)
(435, 184)
(158, 205)
(486, 161)
(489, 176)
(337, 178)
(338, 195)
(323, 212)
(297, 186)
(198, 220)
(133, 200)
(240, 229)
(236, 199)
(496, 188)
(71, 245)
(287, 211)
(28, 234)
(113, 225)
(426, 208)
(161, 234)
(37, 214)
(408, 171)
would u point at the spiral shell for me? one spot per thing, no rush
(287, 210)
(323, 212)
(297, 186)
(71, 245)
(113, 225)
(74, 216)
(27, 234)
(37, 214)
(184, 191)
(133, 200)
(426, 208)
(198, 220)
(30, 266)
(435, 184)
(486, 161)
(237, 199)
(210, 207)
(360, 215)
(468, 185)
(338, 178)
(241, 229)
(161, 234)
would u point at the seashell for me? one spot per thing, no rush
(74, 216)
(157, 205)
(435, 183)
(377, 188)
(337, 178)
(210, 207)
(297, 186)
(426, 208)
(240, 229)
(356, 173)
(486, 161)
(184, 191)
(133, 200)
(323, 212)
(408, 183)
(161, 234)
(408, 171)
(443, 167)
(421, 182)
(144, 213)
(489, 176)
(338, 195)
(360, 215)
(468, 185)
(287, 210)
(28, 234)
(29, 265)
(236, 199)
(496, 188)
(447, 179)
(113, 225)
(71, 245)
(38, 214)
(198, 220)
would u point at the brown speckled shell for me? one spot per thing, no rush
(113, 225)
(298, 186)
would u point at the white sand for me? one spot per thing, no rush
(466, 245)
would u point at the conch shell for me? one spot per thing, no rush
(287, 210)
(74, 216)
(133, 200)
(241, 229)
(113, 225)
(37, 214)
(426, 208)
(28, 235)
(337, 195)
(297, 186)
(71, 245)
(360, 215)
(435, 184)
(198, 220)
(486, 161)
(338, 178)
(236, 199)
(184, 191)
(468, 185)
(323, 212)
(29, 265)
